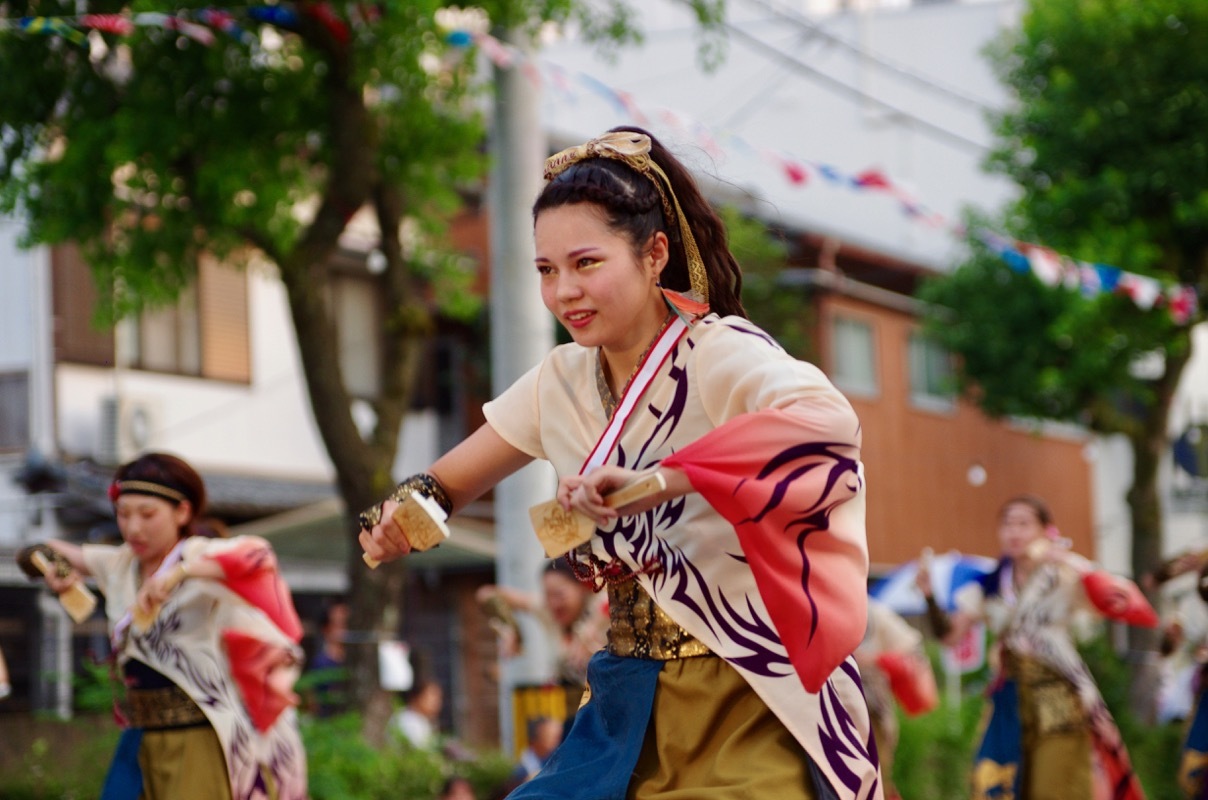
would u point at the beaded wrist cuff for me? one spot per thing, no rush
(60, 563)
(420, 483)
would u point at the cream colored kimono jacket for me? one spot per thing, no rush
(769, 571)
(188, 643)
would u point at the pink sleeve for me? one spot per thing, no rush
(790, 482)
(264, 674)
(1119, 598)
(250, 567)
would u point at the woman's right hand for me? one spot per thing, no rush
(922, 580)
(59, 584)
(385, 540)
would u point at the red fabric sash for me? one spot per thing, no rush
(261, 670)
(778, 476)
(251, 572)
(1119, 598)
(262, 673)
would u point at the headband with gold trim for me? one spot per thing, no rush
(119, 488)
(633, 149)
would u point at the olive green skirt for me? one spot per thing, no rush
(183, 764)
(711, 736)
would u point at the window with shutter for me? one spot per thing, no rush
(77, 337)
(223, 310)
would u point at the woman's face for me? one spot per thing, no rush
(1018, 526)
(150, 525)
(591, 280)
(563, 598)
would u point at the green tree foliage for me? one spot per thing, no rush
(778, 309)
(1106, 143)
(152, 149)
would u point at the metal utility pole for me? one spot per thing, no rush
(55, 655)
(521, 334)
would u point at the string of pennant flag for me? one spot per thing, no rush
(1050, 267)
(197, 24)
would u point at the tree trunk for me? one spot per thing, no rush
(1150, 446)
(363, 468)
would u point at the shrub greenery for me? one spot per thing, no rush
(67, 760)
(935, 754)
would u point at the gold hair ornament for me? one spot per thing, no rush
(634, 149)
(119, 488)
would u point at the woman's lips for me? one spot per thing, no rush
(578, 319)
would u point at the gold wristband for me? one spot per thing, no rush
(423, 483)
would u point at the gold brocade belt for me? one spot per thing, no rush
(1049, 703)
(638, 628)
(167, 707)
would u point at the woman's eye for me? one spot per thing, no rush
(545, 269)
(587, 263)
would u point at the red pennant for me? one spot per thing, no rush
(872, 179)
(108, 23)
(795, 172)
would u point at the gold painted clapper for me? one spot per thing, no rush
(78, 601)
(421, 520)
(561, 531)
(143, 619)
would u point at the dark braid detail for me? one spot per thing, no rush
(633, 209)
(609, 184)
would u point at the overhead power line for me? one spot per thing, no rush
(899, 69)
(837, 86)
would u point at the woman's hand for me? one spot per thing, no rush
(922, 579)
(158, 587)
(586, 493)
(61, 583)
(385, 540)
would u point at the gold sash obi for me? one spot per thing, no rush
(167, 707)
(638, 628)
(1048, 702)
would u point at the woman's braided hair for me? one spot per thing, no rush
(633, 208)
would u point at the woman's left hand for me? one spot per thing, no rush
(157, 588)
(585, 493)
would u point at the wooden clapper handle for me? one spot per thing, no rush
(561, 531)
(142, 619)
(421, 520)
(77, 600)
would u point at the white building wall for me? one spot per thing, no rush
(1185, 523)
(263, 427)
(16, 288)
(25, 346)
(754, 104)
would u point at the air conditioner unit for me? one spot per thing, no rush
(128, 426)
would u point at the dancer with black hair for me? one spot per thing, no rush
(1049, 735)
(206, 643)
(737, 593)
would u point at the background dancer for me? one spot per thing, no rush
(206, 642)
(1049, 735)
